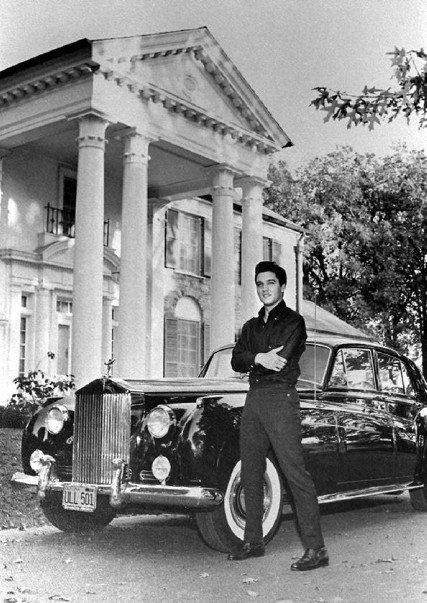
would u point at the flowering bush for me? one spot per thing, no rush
(33, 391)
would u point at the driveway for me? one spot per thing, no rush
(378, 554)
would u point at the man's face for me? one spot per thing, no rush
(269, 290)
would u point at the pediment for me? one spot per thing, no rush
(189, 66)
(185, 78)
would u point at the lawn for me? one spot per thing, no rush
(18, 508)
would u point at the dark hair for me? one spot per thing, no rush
(272, 267)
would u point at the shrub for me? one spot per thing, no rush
(33, 391)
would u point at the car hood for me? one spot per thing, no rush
(186, 386)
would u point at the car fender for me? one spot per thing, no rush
(208, 435)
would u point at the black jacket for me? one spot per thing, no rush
(284, 327)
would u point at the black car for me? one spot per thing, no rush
(172, 445)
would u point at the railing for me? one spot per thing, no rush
(62, 222)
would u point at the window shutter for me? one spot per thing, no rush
(276, 252)
(171, 348)
(207, 247)
(171, 239)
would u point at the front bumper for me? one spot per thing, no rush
(124, 494)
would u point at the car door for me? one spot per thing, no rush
(365, 430)
(399, 391)
(318, 422)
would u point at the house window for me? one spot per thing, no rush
(182, 348)
(114, 324)
(64, 306)
(271, 250)
(24, 328)
(188, 243)
(63, 355)
(22, 345)
(67, 200)
(186, 340)
(64, 309)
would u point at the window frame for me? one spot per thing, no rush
(405, 396)
(167, 361)
(174, 243)
(64, 173)
(25, 314)
(65, 319)
(346, 388)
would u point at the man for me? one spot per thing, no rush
(269, 349)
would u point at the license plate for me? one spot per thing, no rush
(79, 498)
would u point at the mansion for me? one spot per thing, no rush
(131, 217)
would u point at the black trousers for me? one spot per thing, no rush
(271, 418)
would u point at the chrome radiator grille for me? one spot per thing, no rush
(101, 434)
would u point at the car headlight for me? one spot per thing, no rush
(422, 415)
(56, 418)
(35, 460)
(159, 421)
(161, 468)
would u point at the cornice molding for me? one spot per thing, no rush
(174, 104)
(38, 85)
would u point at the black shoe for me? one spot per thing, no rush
(312, 559)
(247, 550)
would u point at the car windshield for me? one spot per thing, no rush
(312, 363)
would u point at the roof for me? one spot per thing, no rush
(247, 119)
(321, 321)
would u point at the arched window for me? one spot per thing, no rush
(184, 340)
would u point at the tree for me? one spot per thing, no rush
(365, 248)
(373, 104)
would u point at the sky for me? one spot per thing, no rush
(284, 48)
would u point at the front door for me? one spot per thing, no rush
(63, 360)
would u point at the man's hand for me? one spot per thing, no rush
(271, 360)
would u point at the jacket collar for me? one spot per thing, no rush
(281, 307)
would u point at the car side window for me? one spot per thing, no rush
(353, 369)
(393, 375)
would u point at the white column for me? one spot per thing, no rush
(107, 326)
(42, 316)
(156, 285)
(5, 376)
(251, 242)
(132, 328)
(4, 203)
(88, 252)
(222, 280)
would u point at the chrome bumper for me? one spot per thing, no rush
(124, 494)
(23, 481)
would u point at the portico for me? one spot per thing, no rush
(169, 117)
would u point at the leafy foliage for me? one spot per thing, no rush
(33, 390)
(365, 238)
(367, 108)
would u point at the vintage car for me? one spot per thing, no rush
(117, 447)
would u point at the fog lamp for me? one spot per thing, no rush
(36, 461)
(161, 468)
(159, 421)
(423, 416)
(56, 418)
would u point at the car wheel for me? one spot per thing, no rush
(223, 528)
(419, 498)
(75, 521)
